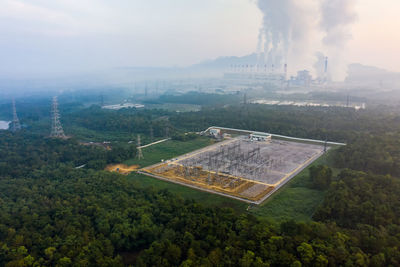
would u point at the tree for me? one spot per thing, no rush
(306, 252)
(321, 176)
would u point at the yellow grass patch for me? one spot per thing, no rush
(122, 168)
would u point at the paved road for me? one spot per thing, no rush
(155, 143)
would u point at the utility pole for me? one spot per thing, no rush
(56, 127)
(139, 148)
(15, 125)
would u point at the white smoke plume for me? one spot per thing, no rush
(275, 31)
(336, 19)
(319, 65)
(294, 30)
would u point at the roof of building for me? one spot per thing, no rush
(260, 134)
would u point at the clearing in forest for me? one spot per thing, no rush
(122, 168)
(239, 168)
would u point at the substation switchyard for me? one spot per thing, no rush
(244, 167)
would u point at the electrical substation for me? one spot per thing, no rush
(246, 167)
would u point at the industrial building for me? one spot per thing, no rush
(303, 78)
(276, 74)
(216, 133)
(256, 72)
(260, 137)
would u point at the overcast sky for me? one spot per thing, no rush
(75, 35)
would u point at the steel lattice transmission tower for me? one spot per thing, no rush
(15, 125)
(56, 127)
(139, 148)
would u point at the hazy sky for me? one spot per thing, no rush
(73, 35)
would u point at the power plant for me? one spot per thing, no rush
(263, 73)
(256, 72)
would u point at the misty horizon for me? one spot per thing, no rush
(82, 37)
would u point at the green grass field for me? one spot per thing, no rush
(169, 149)
(296, 200)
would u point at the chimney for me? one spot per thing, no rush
(285, 71)
(326, 65)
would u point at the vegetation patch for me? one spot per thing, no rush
(206, 199)
(122, 168)
(298, 199)
(167, 150)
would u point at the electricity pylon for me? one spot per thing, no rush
(56, 127)
(15, 125)
(139, 148)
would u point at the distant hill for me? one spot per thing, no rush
(225, 62)
(367, 74)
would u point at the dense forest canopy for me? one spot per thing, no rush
(54, 214)
(22, 153)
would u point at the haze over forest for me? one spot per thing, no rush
(45, 39)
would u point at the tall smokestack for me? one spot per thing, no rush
(285, 71)
(326, 66)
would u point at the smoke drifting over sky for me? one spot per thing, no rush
(49, 38)
(294, 31)
(336, 17)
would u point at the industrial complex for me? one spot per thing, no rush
(245, 165)
(271, 74)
